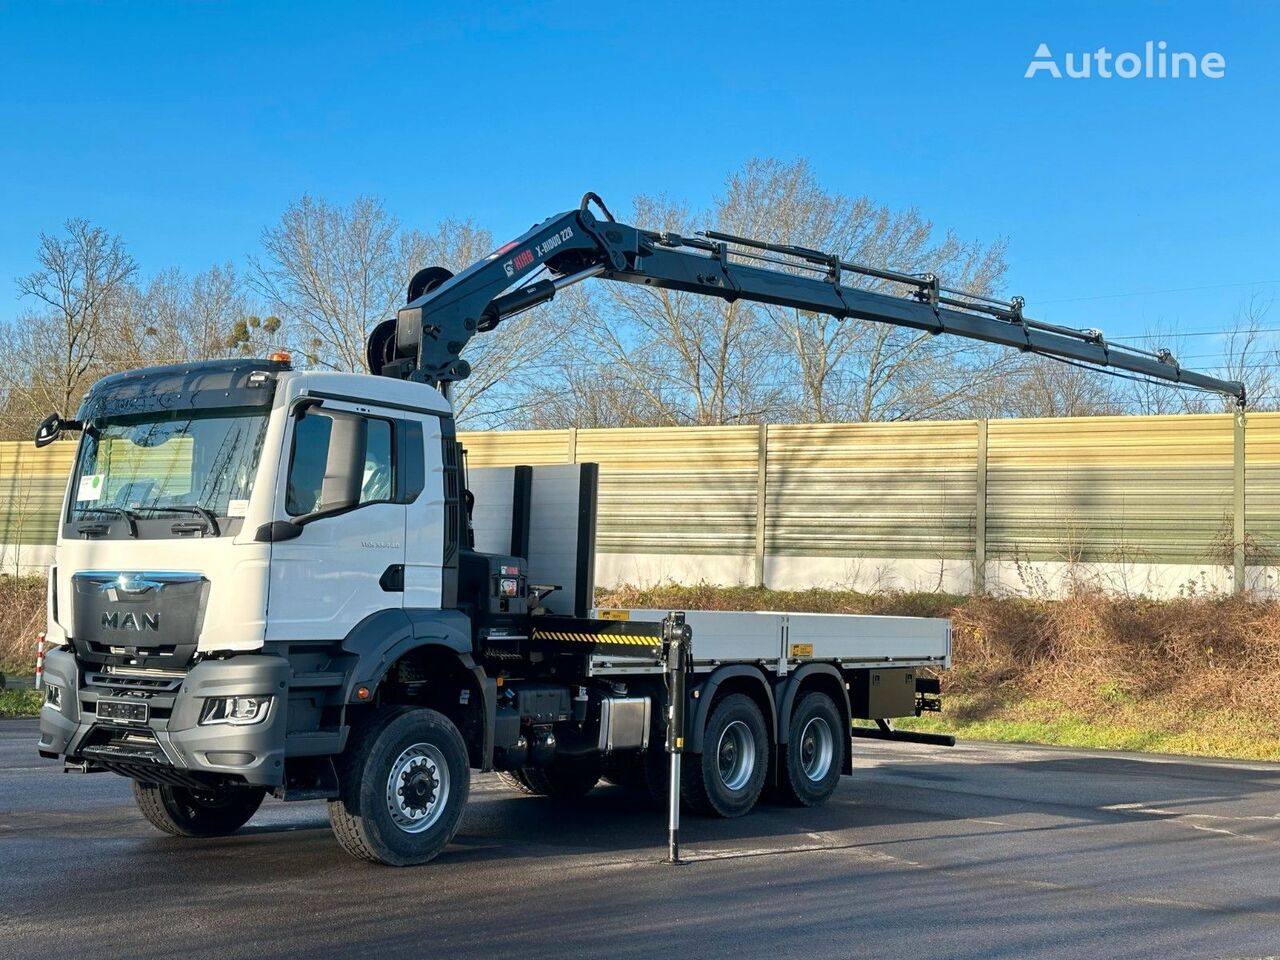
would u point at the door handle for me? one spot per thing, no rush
(392, 579)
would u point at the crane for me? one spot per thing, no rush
(425, 341)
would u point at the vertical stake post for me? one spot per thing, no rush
(762, 497)
(979, 584)
(1238, 558)
(676, 636)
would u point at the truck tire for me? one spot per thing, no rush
(626, 771)
(564, 778)
(402, 786)
(515, 780)
(655, 778)
(184, 812)
(725, 780)
(815, 752)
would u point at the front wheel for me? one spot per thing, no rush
(187, 812)
(402, 786)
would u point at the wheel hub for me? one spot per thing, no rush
(417, 788)
(817, 749)
(736, 756)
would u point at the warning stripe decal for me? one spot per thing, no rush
(614, 638)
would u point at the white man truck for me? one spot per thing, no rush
(288, 582)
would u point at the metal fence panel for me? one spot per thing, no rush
(1262, 489)
(513, 447)
(1097, 489)
(1111, 489)
(31, 486)
(685, 490)
(872, 490)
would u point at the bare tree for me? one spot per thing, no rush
(1245, 349)
(1250, 354)
(1145, 396)
(332, 272)
(54, 352)
(591, 396)
(1042, 387)
(173, 319)
(857, 369)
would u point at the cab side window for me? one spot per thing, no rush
(340, 461)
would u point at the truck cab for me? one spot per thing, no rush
(233, 531)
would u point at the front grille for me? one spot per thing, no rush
(108, 653)
(157, 688)
(137, 619)
(116, 679)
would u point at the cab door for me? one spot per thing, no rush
(341, 496)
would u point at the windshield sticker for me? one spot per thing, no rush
(237, 508)
(90, 487)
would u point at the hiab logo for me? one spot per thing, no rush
(1156, 62)
(518, 262)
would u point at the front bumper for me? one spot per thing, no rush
(171, 746)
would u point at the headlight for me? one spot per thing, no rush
(52, 696)
(237, 711)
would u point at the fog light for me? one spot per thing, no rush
(237, 711)
(53, 696)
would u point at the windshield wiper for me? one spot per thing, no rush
(192, 508)
(128, 515)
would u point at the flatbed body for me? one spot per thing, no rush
(780, 642)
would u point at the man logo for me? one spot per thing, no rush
(112, 620)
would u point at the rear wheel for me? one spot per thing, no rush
(565, 778)
(815, 751)
(726, 778)
(515, 780)
(188, 812)
(403, 784)
(626, 770)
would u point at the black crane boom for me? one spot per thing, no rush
(426, 339)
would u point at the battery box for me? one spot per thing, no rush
(879, 693)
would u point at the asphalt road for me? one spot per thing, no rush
(980, 851)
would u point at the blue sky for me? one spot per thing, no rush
(187, 128)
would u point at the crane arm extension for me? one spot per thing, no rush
(432, 330)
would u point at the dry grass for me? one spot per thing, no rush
(22, 612)
(1194, 675)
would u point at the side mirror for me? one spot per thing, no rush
(51, 427)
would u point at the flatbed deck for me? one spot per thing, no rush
(780, 642)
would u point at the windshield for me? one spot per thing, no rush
(168, 464)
